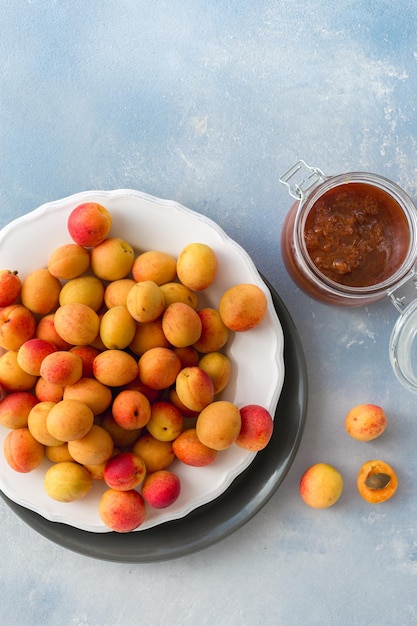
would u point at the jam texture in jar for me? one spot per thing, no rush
(356, 235)
(349, 239)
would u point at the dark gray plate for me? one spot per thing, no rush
(237, 505)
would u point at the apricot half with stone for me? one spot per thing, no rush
(377, 481)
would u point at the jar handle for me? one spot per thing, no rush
(305, 177)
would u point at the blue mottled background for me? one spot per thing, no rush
(207, 103)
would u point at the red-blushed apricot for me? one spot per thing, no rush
(10, 286)
(131, 409)
(89, 224)
(243, 307)
(161, 489)
(122, 511)
(87, 355)
(157, 455)
(46, 330)
(214, 332)
(197, 266)
(61, 367)
(377, 481)
(17, 325)
(124, 471)
(31, 354)
(218, 425)
(188, 355)
(321, 486)
(15, 409)
(365, 422)
(67, 481)
(257, 428)
(48, 392)
(188, 449)
(22, 451)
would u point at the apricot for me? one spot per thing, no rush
(31, 354)
(69, 419)
(122, 511)
(90, 391)
(124, 471)
(57, 454)
(188, 449)
(40, 291)
(117, 328)
(321, 486)
(197, 266)
(161, 489)
(181, 325)
(377, 481)
(218, 425)
(185, 410)
(87, 290)
(77, 323)
(17, 325)
(365, 422)
(61, 367)
(145, 301)
(89, 224)
(10, 286)
(22, 451)
(166, 421)
(67, 481)
(112, 259)
(115, 368)
(214, 333)
(12, 377)
(37, 424)
(46, 391)
(156, 454)
(15, 409)
(243, 307)
(155, 265)
(219, 367)
(115, 292)
(46, 330)
(194, 388)
(158, 368)
(256, 429)
(147, 336)
(131, 409)
(68, 261)
(95, 447)
(177, 292)
(188, 356)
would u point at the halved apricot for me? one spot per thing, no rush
(377, 481)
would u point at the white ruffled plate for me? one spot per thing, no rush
(149, 223)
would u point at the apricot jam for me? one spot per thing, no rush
(350, 238)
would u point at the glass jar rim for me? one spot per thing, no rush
(404, 201)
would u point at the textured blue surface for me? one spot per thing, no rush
(207, 103)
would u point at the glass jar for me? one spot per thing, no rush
(350, 240)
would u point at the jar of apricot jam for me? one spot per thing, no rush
(348, 239)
